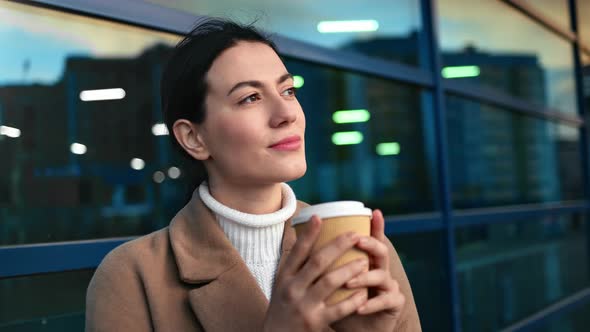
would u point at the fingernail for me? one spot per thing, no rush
(352, 282)
(364, 240)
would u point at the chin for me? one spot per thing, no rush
(291, 173)
(297, 175)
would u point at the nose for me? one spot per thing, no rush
(284, 112)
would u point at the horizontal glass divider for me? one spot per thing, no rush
(29, 259)
(21, 260)
(413, 223)
(165, 19)
(136, 13)
(498, 98)
(353, 61)
(481, 216)
(542, 19)
(17, 325)
(535, 321)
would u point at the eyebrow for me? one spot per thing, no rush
(258, 84)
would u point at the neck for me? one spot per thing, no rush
(259, 199)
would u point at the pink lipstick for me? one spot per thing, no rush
(290, 143)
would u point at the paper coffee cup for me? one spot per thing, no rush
(337, 218)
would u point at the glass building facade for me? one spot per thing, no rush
(464, 122)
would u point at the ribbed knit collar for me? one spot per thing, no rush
(256, 237)
(289, 204)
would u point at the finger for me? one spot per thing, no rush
(393, 302)
(319, 261)
(345, 307)
(333, 280)
(302, 248)
(374, 278)
(377, 250)
(378, 226)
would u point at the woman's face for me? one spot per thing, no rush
(254, 126)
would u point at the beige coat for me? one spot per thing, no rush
(189, 277)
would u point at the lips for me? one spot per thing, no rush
(288, 144)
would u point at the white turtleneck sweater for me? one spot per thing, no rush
(257, 237)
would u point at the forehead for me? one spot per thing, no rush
(246, 61)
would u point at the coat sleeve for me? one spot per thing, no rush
(115, 299)
(409, 320)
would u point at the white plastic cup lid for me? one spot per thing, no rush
(331, 210)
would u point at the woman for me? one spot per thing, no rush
(229, 260)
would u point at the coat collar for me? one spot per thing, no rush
(229, 298)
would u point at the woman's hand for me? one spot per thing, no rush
(382, 310)
(298, 301)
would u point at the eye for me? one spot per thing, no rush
(290, 92)
(250, 99)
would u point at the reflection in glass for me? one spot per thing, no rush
(78, 99)
(511, 52)
(367, 139)
(499, 157)
(586, 82)
(426, 269)
(583, 7)
(555, 10)
(48, 302)
(576, 320)
(379, 28)
(508, 271)
(86, 155)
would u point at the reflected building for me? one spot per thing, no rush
(496, 157)
(357, 170)
(500, 157)
(47, 178)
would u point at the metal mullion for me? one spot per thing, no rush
(413, 223)
(352, 61)
(155, 17)
(430, 16)
(541, 19)
(21, 260)
(584, 149)
(140, 14)
(495, 97)
(483, 216)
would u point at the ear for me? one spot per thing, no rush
(188, 136)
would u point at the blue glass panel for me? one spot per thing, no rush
(506, 51)
(385, 157)
(378, 28)
(509, 271)
(498, 157)
(44, 302)
(423, 257)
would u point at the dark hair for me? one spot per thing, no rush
(184, 84)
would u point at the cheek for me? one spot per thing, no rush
(237, 135)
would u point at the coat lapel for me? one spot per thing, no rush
(226, 296)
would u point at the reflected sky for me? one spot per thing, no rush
(485, 28)
(37, 51)
(299, 19)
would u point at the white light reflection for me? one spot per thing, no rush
(78, 148)
(10, 131)
(174, 172)
(159, 129)
(137, 164)
(159, 177)
(102, 94)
